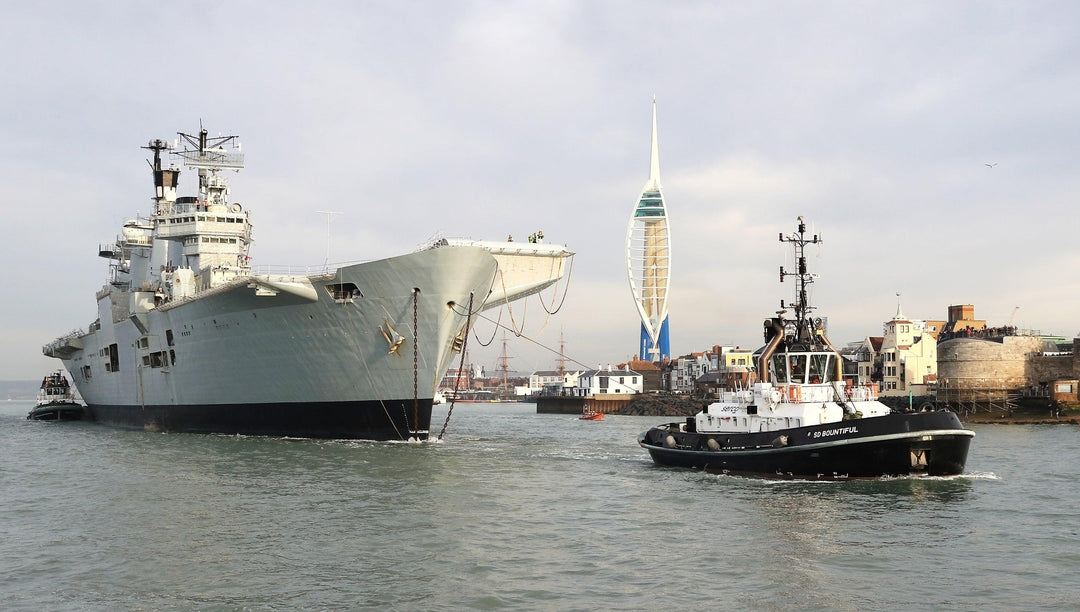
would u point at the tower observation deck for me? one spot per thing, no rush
(648, 261)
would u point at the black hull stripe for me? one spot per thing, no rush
(940, 456)
(900, 444)
(365, 420)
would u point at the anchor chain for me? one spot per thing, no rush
(457, 379)
(415, 363)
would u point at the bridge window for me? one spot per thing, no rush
(778, 370)
(819, 368)
(798, 368)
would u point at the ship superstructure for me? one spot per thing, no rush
(188, 338)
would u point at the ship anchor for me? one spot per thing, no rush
(393, 339)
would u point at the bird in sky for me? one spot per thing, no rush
(990, 165)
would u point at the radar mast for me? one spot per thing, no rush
(209, 156)
(805, 329)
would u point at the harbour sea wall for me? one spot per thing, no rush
(1028, 411)
(629, 405)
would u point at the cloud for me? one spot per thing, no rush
(483, 120)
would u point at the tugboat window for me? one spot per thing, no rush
(819, 368)
(798, 368)
(778, 369)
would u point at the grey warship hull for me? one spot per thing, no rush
(287, 355)
(189, 337)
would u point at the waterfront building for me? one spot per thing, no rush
(541, 379)
(864, 356)
(687, 369)
(870, 369)
(608, 382)
(652, 377)
(989, 367)
(553, 382)
(908, 357)
(648, 261)
(456, 378)
(729, 367)
(962, 322)
(736, 358)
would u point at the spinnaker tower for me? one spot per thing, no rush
(648, 261)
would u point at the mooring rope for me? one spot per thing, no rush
(510, 309)
(555, 293)
(461, 365)
(533, 340)
(382, 402)
(493, 332)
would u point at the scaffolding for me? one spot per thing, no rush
(973, 395)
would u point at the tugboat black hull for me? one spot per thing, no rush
(900, 444)
(56, 411)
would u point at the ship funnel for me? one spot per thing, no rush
(165, 181)
(165, 184)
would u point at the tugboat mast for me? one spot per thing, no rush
(805, 326)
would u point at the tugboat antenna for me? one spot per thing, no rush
(803, 279)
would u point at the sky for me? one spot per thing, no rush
(932, 145)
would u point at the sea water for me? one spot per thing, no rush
(517, 510)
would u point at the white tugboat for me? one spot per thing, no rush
(56, 401)
(188, 337)
(799, 418)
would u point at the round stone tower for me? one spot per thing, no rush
(985, 363)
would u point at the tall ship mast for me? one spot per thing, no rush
(504, 367)
(188, 336)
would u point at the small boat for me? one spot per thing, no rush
(56, 401)
(795, 415)
(479, 396)
(588, 414)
